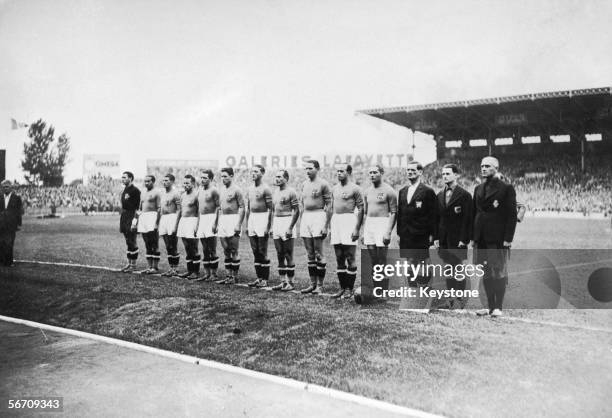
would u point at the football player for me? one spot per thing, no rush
(345, 227)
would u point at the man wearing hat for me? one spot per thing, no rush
(11, 210)
(494, 225)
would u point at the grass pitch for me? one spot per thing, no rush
(457, 365)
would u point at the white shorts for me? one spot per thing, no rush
(342, 226)
(167, 224)
(258, 221)
(280, 227)
(312, 223)
(187, 227)
(146, 222)
(227, 223)
(205, 225)
(374, 230)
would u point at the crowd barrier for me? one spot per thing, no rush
(63, 212)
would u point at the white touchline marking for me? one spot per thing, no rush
(562, 267)
(292, 383)
(68, 265)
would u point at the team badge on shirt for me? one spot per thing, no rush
(127, 196)
(419, 204)
(345, 195)
(380, 196)
(457, 209)
(315, 193)
(495, 203)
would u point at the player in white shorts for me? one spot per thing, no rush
(314, 225)
(167, 222)
(208, 205)
(286, 214)
(380, 205)
(188, 226)
(148, 223)
(170, 206)
(259, 222)
(230, 224)
(345, 226)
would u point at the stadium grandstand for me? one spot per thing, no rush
(555, 147)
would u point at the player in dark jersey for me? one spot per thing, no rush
(130, 201)
(286, 214)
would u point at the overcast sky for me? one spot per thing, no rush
(202, 79)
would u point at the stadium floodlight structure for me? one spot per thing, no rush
(568, 112)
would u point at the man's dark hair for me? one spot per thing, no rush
(380, 168)
(190, 177)
(151, 177)
(209, 173)
(228, 170)
(418, 164)
(170, 177)
(129, 174)
(285, 174)
(261, 168)
(452, 167)
(315, 163)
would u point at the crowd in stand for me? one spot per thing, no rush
(101, 194)
(543, 183)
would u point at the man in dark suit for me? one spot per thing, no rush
(454, 225)
(11, 211)
(416, 219)
(494, 225)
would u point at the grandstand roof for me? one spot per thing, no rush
(552, 113)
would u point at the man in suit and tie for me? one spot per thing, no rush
(454, 225)
(494, 225)
(11, 211)
(416, 220)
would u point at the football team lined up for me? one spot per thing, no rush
(449, 221)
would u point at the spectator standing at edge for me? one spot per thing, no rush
(11, 211)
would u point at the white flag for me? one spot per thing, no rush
(17, 125)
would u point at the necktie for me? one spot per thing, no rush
(448, 194)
